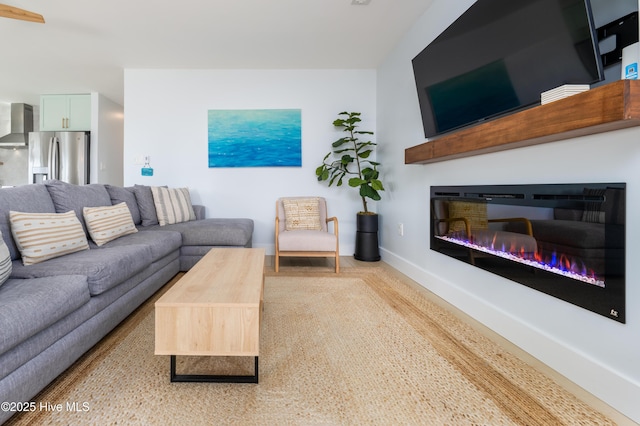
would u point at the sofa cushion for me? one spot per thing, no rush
(5, 261)
(119, 195)
(67, 197)
(43, 236)
(144, 197)
(108, 223)
(212, 232)
(160, 243)
(104, 268)
(28, 306)
(26, 198)
(307, 240)
(173, 205)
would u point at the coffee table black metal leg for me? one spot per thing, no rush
(214, 378)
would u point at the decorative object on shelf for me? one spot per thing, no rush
(562, 92)
(349, 158)
(630, 57)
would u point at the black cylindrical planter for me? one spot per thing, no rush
(367, 238)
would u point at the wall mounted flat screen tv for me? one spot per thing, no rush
(499, 56)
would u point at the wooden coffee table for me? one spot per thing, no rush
(215, 309)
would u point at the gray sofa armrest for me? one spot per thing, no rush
(199, 211)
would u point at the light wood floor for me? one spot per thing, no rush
(325, 265)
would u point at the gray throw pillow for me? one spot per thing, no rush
(25, 198)
(126, 195)
(67, 196)
(144, 197)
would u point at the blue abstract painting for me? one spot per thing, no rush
(255, 138)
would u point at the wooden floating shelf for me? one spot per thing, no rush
(609, 107)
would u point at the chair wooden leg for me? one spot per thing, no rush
(277, 262)
(337, 264)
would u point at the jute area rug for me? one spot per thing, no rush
(362, 347)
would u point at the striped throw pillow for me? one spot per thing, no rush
(173, 205)
(5, 261)
(43, 236)
(108, 222)
(302, 213)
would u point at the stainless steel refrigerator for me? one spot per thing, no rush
(59, 155)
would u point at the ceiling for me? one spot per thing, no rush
(84, 46)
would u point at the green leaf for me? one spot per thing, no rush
(365, 154)
(340, 151)
(377, 185)
(346, 159)
(354, 182)
(367, 191)
(368, 173)
(333, 178)
(340, 142)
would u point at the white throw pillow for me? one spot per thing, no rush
(173, 205)
(43, 236)
(108, 222)
(5, 261)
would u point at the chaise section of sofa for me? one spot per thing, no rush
(200, 236)
(53, 311)
(197, 236)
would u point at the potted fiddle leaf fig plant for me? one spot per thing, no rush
(349, 159)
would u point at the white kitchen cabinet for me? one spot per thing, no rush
(65, 112)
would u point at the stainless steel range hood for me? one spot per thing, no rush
(21, 125)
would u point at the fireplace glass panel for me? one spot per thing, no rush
(566, 240)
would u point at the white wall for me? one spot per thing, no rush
(166, 118)
(599, 354)
(107, 140)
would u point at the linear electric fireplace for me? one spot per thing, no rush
(566, 240)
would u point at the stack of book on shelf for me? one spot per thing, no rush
(562, 92)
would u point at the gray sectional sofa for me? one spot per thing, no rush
(53, 311)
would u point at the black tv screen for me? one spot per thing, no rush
(499, 56)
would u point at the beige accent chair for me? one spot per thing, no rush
(302, 230)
